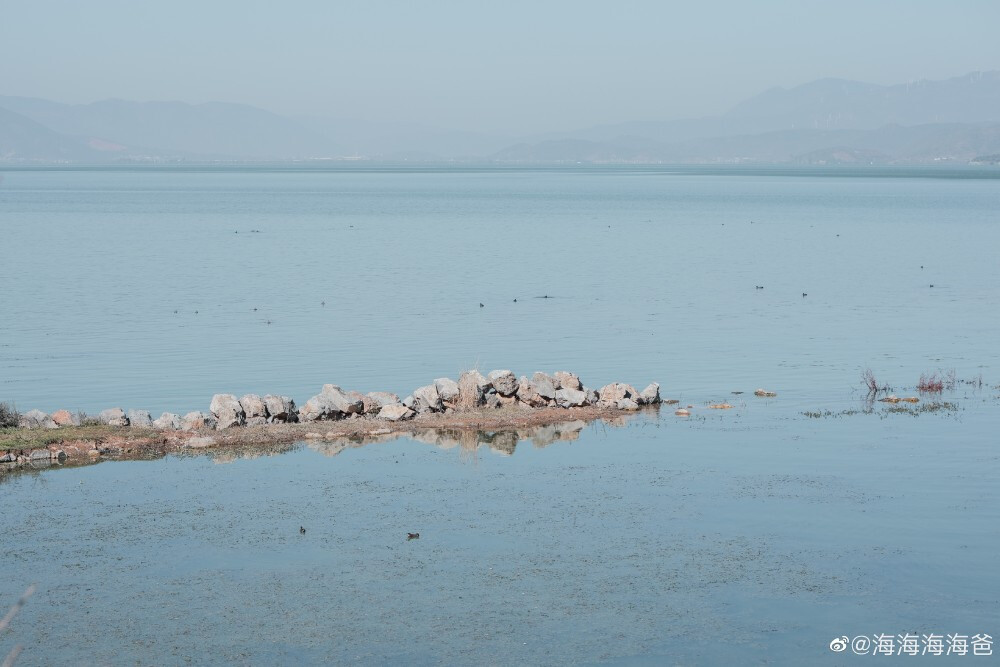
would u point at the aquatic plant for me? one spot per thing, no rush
(937, 382)
(869, 381)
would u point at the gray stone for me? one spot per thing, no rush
(341, 401)
(503, 382)
(592, 397)
(281, 409)
(195, 420)
(383, 398)
(427, 399)
(113, 417)
(253, 407)
(545, 385)
(227, 411)
(7, 457)
(570, 398)
(472, 387)
(567, 380)
(626, 404)
(40, 455)
(447, 389)
(395, 412)
(140, 418)
(650, 395)
(255, 421)
(528, 395)
(36, 419)
(168, 420)
(492, 400)
(610, 394)
(316, 408)
(408, 401)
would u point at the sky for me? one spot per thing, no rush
(502, 67)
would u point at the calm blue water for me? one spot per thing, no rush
(654, 274)
(754, 535)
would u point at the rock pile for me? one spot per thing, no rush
(472, 391)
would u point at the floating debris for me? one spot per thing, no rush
(765, 393)
(681, 412)
(720, 406)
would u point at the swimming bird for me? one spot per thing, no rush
(412, 536)
(804, 294)
(302, 530)
(759, 286)
(515, 300)
(481, 305)
(322, 303)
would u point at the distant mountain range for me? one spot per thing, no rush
(823, 122)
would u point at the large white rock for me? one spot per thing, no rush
(545, 385)
(168, 420)
(341, 401)
(504, 382)
(254, 408)
(528, 395)
(567, 380)
(650, 395)
(610, 394)
(140, 418)
(395, 412)
(37, 419)
(227, 411)
(447, 389)
(427, 399)
(570, 398)
(281, 409)
(472, 387)
(193, 421)
(113, 417)
(383, 398)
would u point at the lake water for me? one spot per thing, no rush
(753, 535)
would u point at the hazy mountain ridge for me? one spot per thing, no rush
(821, 121)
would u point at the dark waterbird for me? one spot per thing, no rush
(302, 530)
(412, 536)
(481, 305)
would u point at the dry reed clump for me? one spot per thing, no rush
(9, 416)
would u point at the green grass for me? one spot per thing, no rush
(22, 438)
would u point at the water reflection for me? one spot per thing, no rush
(467, 441)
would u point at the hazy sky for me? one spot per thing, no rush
(511, 66)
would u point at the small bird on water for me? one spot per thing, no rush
(302, 530)
(412, 536)
(482, 305)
